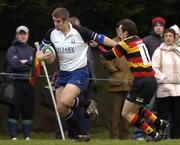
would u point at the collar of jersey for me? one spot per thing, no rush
(70, 25)
(130, 37)
(70, 29)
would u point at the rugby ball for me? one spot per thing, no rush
(49, 49)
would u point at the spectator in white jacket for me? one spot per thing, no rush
(177, 30)
(166, 62)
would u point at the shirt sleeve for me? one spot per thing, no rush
(117, 51)
(88, 35)
(85, 33)
(47, 38)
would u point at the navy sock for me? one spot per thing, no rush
(12, 127)
(82, 101)
(27, 126)
(76, 103)
(73, 120)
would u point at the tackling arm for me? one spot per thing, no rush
(115, 52)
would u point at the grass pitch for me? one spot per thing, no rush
(99, 137)
(92, 142)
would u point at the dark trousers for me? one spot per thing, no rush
(169, 107)
(24, 106)
(24, 101)
(118, 127)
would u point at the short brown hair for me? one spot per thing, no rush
(62, 13)
(128, 25)
(169, 31)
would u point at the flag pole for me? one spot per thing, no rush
(52, 94)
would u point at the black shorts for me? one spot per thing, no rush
(143, 89)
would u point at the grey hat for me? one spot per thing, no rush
(22, 28)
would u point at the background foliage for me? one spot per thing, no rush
(98, 15)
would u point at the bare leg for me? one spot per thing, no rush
(129, 109)
(65, 98)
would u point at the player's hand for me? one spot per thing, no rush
(93, 44)
(41, 56)
(102, 49)
(49, 56)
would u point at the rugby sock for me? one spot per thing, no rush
(69, 116)
(12, 127)
(73, 120)
(76, 114)
(76, 103)
(139, 122)
(147, 114)
(27, 126)
(83, 102)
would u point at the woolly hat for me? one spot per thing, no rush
(176, 29)
(160, 20)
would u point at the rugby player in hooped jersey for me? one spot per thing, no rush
(71, 44)
(144, 84)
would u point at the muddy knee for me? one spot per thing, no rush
(68, 102)
(62, 110)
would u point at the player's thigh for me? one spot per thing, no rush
(59, 94)
(61, 108)
(69, 93)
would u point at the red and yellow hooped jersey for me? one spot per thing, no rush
(137, 56)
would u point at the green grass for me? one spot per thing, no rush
(92, 142)
(99, 137)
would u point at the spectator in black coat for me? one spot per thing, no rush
(19, 58)
(154, 40)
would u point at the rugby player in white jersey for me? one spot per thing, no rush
(71, 44)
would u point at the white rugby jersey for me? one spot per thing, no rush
(72, 48)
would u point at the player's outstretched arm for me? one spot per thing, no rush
(115, 52)
(109, 42)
